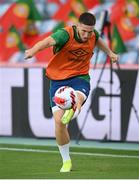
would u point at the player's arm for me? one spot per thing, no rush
(45, 43)
(102, 45)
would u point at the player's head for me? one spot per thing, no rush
(86, 25)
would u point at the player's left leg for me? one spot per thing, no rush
(73, 112)
(82, 87)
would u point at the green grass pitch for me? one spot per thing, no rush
(38, 162)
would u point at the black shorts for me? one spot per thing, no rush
(77, 83)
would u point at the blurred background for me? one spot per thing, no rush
(111, 110)
(105, 135)
(22, 23)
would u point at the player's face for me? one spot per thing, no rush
(84, 31)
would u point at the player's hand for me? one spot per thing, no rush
(28, 54)
(114, 57)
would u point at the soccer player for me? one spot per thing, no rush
(73, 48)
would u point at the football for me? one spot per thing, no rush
(65, 97)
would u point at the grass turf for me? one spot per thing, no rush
(32, 165)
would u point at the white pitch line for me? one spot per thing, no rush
(74, 153)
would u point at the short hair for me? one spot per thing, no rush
(87, 18)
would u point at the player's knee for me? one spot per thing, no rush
(57, 118)
(80, 101)
(58, 123)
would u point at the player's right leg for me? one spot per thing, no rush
(61, 132)
(63, 139)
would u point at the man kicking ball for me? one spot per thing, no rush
(73, 48)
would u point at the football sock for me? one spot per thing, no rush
(76, 113)
(64, 151)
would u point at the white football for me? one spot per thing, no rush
(65, 97)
